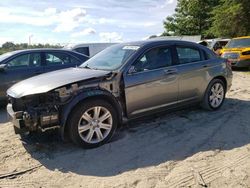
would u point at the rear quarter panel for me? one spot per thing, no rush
(217, 68)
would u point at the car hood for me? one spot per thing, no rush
(52, 80)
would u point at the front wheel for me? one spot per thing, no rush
(215, 95)
(92, 123)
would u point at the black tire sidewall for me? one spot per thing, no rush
(76, 115)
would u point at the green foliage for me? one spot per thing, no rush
(231, 18)
(9, 46)
(192, 17)
(209, 18)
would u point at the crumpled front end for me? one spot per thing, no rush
(33, 113)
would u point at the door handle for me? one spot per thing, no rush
(170, 71)
(206, 66)
(38, 72)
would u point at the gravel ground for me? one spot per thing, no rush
(187, 148)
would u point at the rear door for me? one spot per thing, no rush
(19, 68)
(152, 81)
(58, 60)
(192, 71)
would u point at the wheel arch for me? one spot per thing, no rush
(223, 79)
(220, 77)
(80, 98)
(204, 103)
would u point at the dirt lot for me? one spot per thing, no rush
(188, 148)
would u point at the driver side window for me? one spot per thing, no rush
(24, 61)
(154, 59)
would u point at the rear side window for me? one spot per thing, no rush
(83, 50)
(188, 55)
(56, 58)
(208, 56)
(26, 60)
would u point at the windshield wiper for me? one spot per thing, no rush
(88, 67)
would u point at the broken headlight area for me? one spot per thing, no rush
(64, 94)
(38, 112)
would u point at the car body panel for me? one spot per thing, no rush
(157, 87)
(191, 80)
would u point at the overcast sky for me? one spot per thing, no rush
(73, 21)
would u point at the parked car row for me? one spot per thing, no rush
(236, 50)
(215, 44)
(125, 81)
(18, 65)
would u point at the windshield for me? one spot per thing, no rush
(6, 55)
(237, 43)
(111, 58)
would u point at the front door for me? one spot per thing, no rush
(19, 68)
(152, 82)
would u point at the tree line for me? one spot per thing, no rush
(9, 46)
(209, 18)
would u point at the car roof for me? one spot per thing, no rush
(159, 42)
(46, 50)
(20, 52)
(41, 49)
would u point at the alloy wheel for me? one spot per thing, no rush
(95, 124)
(217, 94)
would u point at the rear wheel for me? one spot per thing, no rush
(215, 95)
(92, 123)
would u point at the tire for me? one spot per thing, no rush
(92, 123)
(17, 131)
(214, 98)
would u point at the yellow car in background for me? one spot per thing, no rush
(237, 51)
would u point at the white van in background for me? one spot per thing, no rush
(89, 49)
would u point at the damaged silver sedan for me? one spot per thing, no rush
(121, 83)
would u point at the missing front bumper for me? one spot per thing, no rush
(37, 120)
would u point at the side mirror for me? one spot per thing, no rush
(3, 67)
(132, 70)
